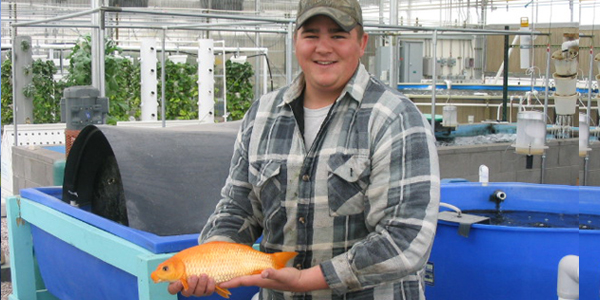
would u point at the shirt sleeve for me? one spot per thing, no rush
(237, 215)
(403, 202)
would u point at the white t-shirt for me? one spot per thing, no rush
(313, 118)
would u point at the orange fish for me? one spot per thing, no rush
(221, 261)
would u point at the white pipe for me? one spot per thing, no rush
(568, 278)
(206, 80)
(452, 207)
(149, 79)
(484, 174)
(501, 69)
(568, 44)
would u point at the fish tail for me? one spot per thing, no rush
(222, 292)
(281, 258)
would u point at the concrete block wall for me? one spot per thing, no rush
(33, 167)
(562, 163)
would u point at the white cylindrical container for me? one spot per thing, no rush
(149, 80)
(450, 116)
(565, 66)
(531, 133)
(565, 105)
(584, 135)
(525, 44)
(206, 81)
(565, 85)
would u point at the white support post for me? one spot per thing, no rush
(149, 83)
(206, 81)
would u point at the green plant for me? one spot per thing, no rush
(120, 73)
(45, 92)
(181, 92)
(240, 91)
(7, 113)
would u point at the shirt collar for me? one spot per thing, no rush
(355, 87)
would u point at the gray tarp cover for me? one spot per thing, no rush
(171, 178)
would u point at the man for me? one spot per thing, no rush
(337, 167)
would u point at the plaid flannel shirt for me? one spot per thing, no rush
(362, 202)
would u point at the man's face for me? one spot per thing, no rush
(328, 55)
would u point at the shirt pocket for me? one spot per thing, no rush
(347, 182)
(268, 183)
(265, 179)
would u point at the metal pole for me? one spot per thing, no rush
(394, 70)
(14, 91)
(586, 161)
(547, 83)
(95, 46)
(288, 53)
(101, 56)
(543, 168)
(589, 102)
(434, 82)
(505, 78)
(162, 79)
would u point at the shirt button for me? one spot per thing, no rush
(299, 266)
(305, 177)
(301, 220)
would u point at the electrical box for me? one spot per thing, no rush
(82, 106)
(428, 64)
(451, 61)
(469, 62)
(383, 63)
(411, 61)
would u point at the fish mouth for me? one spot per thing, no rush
(155, 278)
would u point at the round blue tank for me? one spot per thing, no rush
(511, 262)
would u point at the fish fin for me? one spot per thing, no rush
(185, 283)
(281, 258)
(222, 292)
(257, 272)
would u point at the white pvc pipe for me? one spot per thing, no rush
(568, 278)
(484, 174)
(501, 69)
(206, 81)
(149, 79)
(452, 207)
(568, 44)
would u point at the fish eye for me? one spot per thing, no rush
(165, 268)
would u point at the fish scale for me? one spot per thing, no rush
(239, 263)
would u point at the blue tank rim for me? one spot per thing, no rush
(543, 230)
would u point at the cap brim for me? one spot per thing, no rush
(346, 22)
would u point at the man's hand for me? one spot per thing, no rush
(286, 279)
(198, 286)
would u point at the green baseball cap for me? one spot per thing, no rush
(346, 13)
